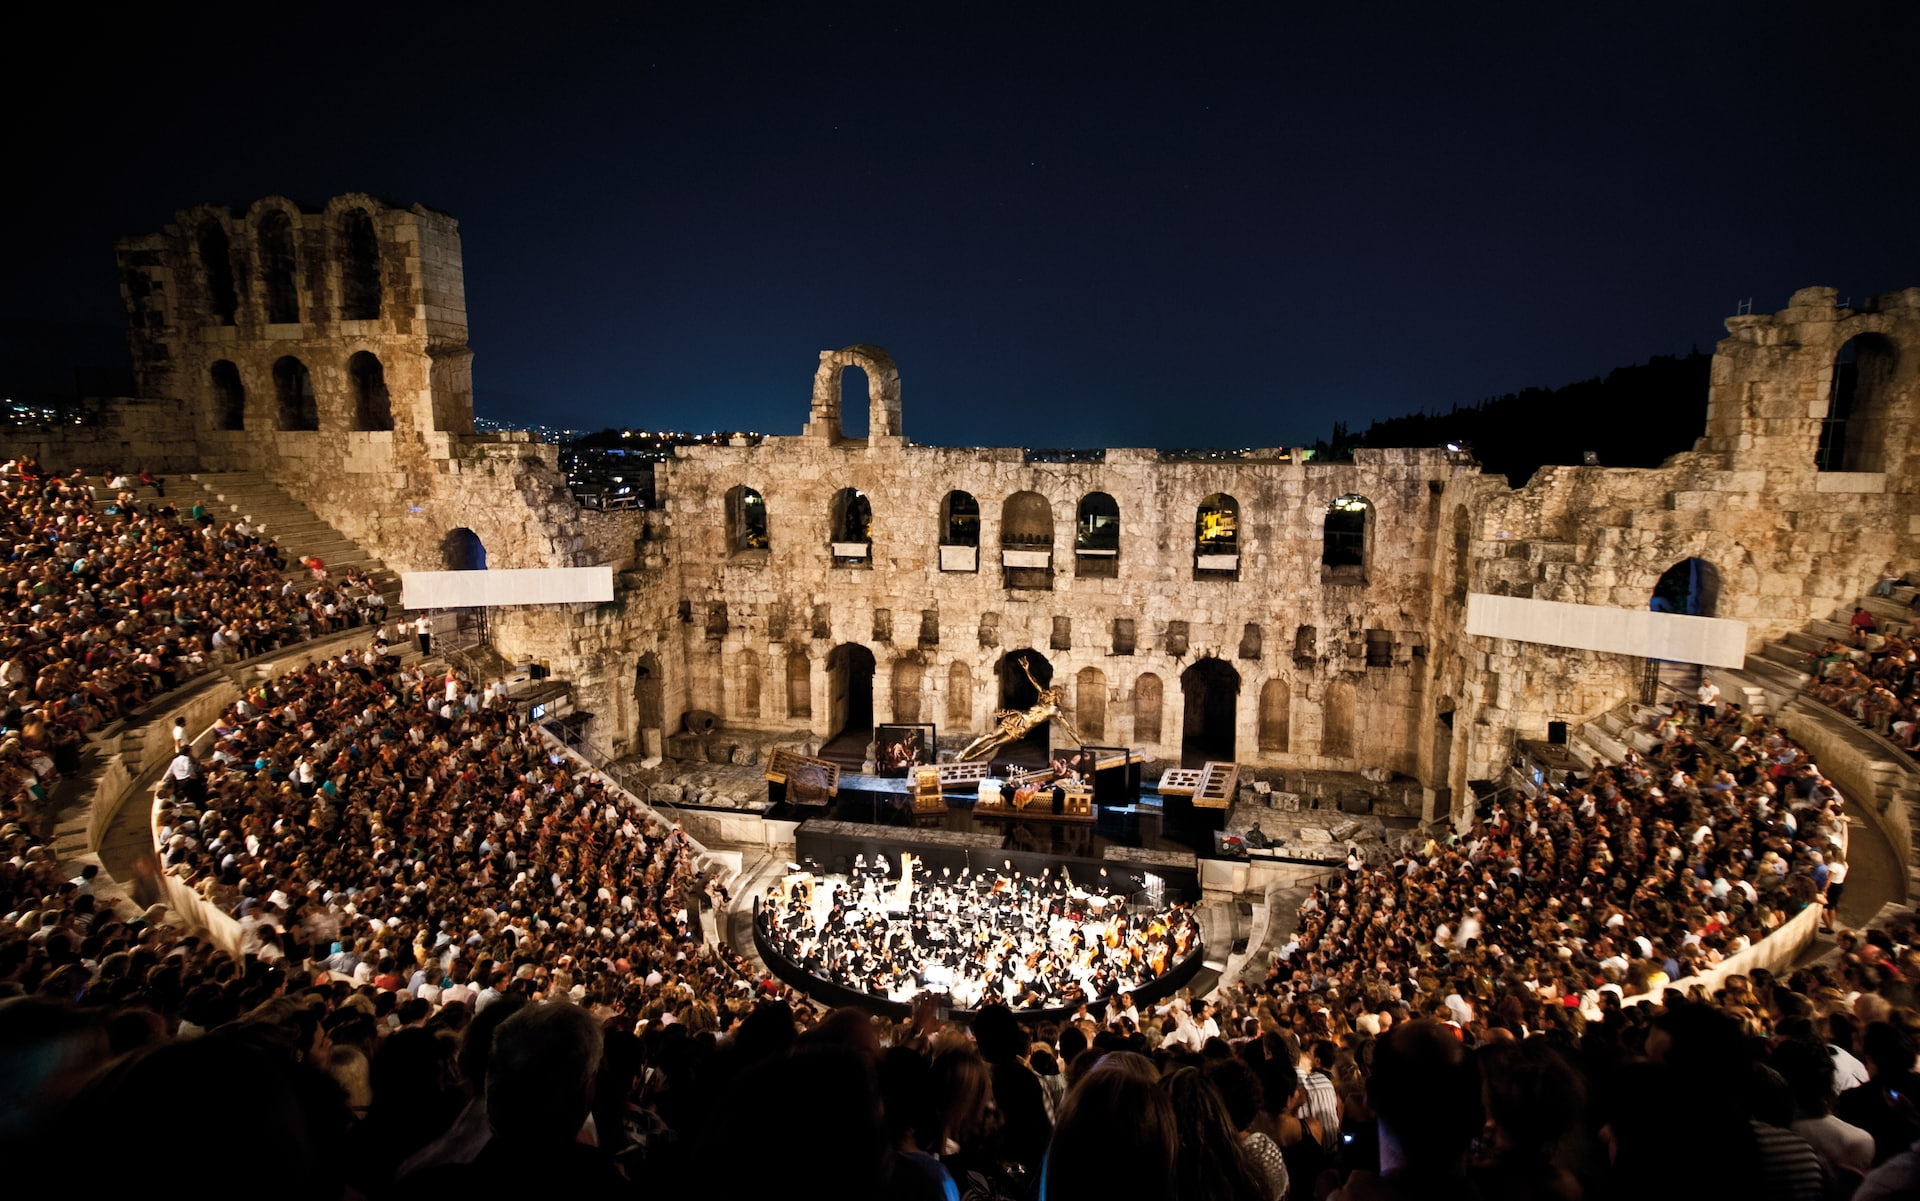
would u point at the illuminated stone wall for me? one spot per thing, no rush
(1356, 664)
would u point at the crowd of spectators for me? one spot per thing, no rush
(1876, 683)
(109, 601)
(463, 962)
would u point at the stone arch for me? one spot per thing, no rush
(850, 521)
(359, 250)
(748, 680)
(1276, 716)
(799, 685)
(1149, 698)
(1216, 538)
(1346, 538)
(1337, 736)
(216, 268)
(883, 395)
(1090, 703)
(372, 405)
(1026, 541)
(1211, 688)
(1462, 555)
(909, 676)
(1096, 537)
(293, 394)
(462, 550)
(746, 515)
(1691, 586)
(649, 701)
(229, 396)
(960, 696)
(1860, 402)
(273, 237)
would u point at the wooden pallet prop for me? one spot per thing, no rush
(804, 774)
(964, 773)
(1211, 787)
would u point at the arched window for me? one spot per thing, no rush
(855, 418)
(1216, 538)
(960, 695)
(359, 267)
(746, 520)
(229, 397)
(1090, 702)
(1026, 541)
(1343, 539)
(1276, 716)
(216, 267)
(1148, 697)
(277, 267)
(959, 532)
(372, 407)
(462, 550)
(293, 389)
(799, 685)
(852, 525)
(1854, 435)
(1096, 537)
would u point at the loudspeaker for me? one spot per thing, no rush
(1557, 733)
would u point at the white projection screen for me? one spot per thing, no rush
(1712, 641)
(521, 586)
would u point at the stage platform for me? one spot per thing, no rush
(1142, 823)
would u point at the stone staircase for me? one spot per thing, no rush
(274, 513)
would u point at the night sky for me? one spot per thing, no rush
(1117, 232)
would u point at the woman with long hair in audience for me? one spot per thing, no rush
(1210, 1163)
(1116, 1138)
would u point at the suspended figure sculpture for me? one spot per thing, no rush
(1011, 725)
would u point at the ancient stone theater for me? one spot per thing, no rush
(1329, 645)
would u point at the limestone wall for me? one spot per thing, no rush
(1792, 532)
(938, 637)
(1309, 665)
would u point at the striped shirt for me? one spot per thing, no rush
(1323, 1104)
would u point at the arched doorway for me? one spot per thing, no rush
(1691, 586)
(648, 703)
(462, 550)
(1018, 692)
(1212, 691)
(850, 703)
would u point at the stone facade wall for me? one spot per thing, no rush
(754, 609)
(1788, 541)
(1341, 667)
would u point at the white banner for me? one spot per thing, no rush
(524, 586)
(1711, 641)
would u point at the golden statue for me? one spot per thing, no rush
(1011, 725)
